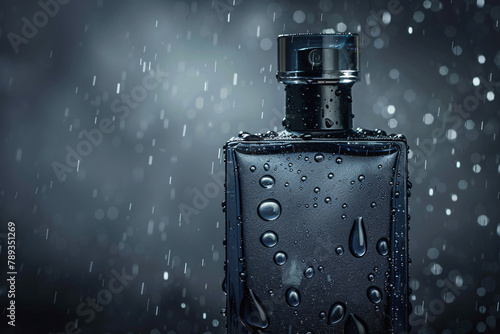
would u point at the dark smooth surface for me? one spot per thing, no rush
(321, 108)
(318, 215)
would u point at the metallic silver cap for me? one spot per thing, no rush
(318, 58)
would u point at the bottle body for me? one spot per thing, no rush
(316, 234)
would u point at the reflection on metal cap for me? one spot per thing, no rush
(318, 58)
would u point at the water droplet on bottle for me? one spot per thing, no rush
(374, 295)
(322, 315)
(303, 178)
(339, 250)
(373, 205)
(316, 190)
(330, 175)
(280, 258)
(357, 238)
(315, 205)
(309, 272)
(371, 277)
(292, 297)
(396, 194)
(361, 178)
(253, 169)
(253, 312)
(269, 239)
(379, 166)
(321, 268)
(269, 210)
(224, 285)
(329, 123)
(328, 200)
(354, 325)
(383, 246)
(319, 157)
(287, 184)
(336, 313)
(267, 181)
(338, 160)
(338, 92)
(266, 167)
(343, 216)
(344, 205)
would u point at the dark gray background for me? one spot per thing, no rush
(119, 211)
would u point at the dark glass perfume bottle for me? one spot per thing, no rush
(317, 215)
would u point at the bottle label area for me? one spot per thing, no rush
(317, 237)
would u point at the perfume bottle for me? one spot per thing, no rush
(317, 215)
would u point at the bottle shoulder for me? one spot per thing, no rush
(358, 134)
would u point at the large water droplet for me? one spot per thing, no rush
(319, 157)
(292, 297)
(357, 238)
(269, 239)
(224, 285)
(336, 313)
(383, 246)
(329, 123)
(354, 325)
(309, 272)
(361, 178)
(267, 181)
(338, 160)
(280, 258)
(269, 209)
(374, 295)
(252, 312)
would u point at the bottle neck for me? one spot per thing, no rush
(318, 107)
